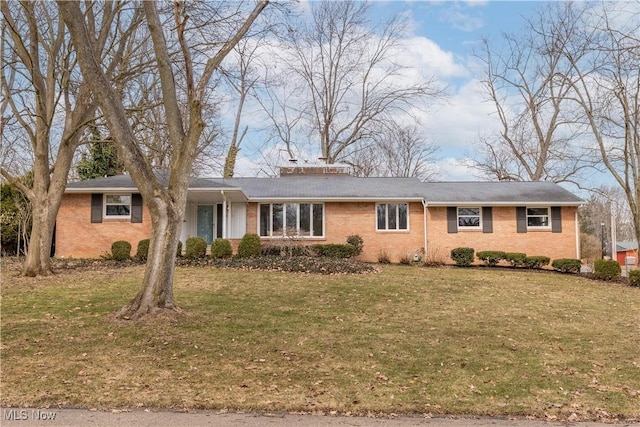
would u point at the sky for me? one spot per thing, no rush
(441, 42)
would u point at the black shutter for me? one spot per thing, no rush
(452, 219)
(487, 219)
(96, 207)
(521, 219)
(556, 219)
(136, 207)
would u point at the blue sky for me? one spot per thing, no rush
(441, 38)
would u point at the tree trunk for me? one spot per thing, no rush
(37, 261)
(156, 291)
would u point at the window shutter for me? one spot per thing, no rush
(487, 219)
(521, 219)
(452, 219)
(556, 219)
(96, 207)
(136, 207)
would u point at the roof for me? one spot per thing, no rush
(124, 182)
(498, 193)
(330, 187)
(626, 246)
(344, 187)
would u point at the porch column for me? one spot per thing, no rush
(224, 215)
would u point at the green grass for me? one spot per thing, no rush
(406, 340)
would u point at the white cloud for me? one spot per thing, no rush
(454, 169)
(461, 20)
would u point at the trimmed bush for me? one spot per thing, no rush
(516, 259)
(463, 257)
(634, 277)
(491, 258)
(121, 250)
(142, 253)
(196, 248)
(179, 250)
(334, 250)
(357, 242)
(536, 262)
(221, 248)
(606, 269)
(249, 246)
(567, 265)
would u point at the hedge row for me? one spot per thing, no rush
(249, 246)
(464, 257)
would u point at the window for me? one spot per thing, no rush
(291, 219)
(538, 217)
(392, 216)
(117, 205)
(469, 218)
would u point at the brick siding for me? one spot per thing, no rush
(78, 237)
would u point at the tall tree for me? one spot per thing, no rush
(101, 159)
(341, 80)
(537, 136)
(51, 103)
(165, 199)
(604, 58)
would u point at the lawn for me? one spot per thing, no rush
(404, 340)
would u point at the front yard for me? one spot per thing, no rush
(404, 340)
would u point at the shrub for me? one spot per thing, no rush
(221, 248)
(606, 269)
(357, 242)
(436, 256)
(634, 277)
(406, 259)
(383, 257)
(179, 250)
(536, 262)
(463, 257)
(491, 258)
(121, 250)
(516, 259)
(567, 265)
(334, 250)
(143, 249)
(271, 250)
(196, 248)
(249, 246)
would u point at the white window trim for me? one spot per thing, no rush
(538, 227)
(393, 230)
(104, 206)
(284, 234)
(469, 227)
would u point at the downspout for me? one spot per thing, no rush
(224, 214)
(576, 220)
(424, 215)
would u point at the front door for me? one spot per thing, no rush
(204, 222)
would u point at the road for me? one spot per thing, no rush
(28, 417)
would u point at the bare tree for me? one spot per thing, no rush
(604, 74)
(395, 151)
(51, 103)
(342, 80)
(537, 136)
(166, 199)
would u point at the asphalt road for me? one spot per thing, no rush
(28, 417)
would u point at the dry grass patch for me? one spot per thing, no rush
(405, 340)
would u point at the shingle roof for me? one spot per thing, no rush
(329, 187)
(124, 182)
(498, 193)
(342, 187)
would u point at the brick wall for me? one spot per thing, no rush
(344, 219)
(505, 236)
(78, 237)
